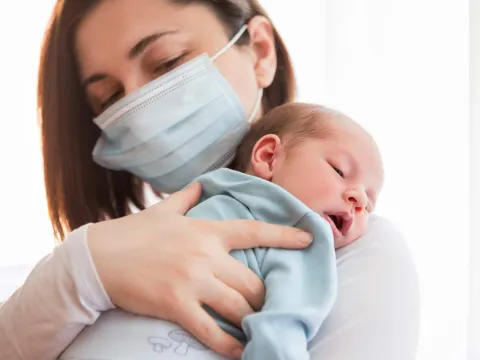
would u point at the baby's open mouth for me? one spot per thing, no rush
(340, 222)
(337, 220)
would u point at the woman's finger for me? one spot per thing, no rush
(241, 279)
(181, 201)
(245, 234)
(200, 324)
(227, 302)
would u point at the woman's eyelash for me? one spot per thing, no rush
(109, 101)
(172, 62)
(167, 65)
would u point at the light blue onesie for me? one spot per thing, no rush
(300, 284)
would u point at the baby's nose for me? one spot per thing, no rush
(356, 196)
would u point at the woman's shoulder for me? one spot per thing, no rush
(382, 237)
(376, 313)
(381, 258)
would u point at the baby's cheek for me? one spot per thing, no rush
(359, 228)
(343, 241)
(356, 232)
(362, 223)
(302, 190)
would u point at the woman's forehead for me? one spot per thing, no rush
(114, 27)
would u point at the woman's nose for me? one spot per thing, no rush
(132, 86)
(356, 196)
(136, 81)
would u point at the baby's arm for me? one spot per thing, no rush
(300, 286)
(301, 289)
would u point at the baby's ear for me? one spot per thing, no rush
(265, 155)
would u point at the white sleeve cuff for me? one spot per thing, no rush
(76, 253)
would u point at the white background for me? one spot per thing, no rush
(399, 67)
(474, 318)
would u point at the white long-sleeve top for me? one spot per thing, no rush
(375, 316)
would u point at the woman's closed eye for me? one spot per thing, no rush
(159, 70)
(168, 65)
(112, 99)
(158, 67)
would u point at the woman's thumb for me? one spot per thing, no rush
(183, 200)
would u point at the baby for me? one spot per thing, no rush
(323, 158)
(300, 165)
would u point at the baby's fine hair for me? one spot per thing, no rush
(292, 123)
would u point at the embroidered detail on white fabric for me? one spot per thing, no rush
(183, 342)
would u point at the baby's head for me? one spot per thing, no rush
(322, 157)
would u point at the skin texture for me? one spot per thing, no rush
(339, 175)
(107, 36)
(157, 262)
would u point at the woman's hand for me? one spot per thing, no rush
(160, 263)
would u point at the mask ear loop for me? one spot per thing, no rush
(231, 42)
(227, 47)
(256, 106)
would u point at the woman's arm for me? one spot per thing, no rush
(60, 297)
(156, 263)
(376, 315)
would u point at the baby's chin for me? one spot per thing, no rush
(345, 240)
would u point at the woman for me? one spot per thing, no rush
(99, 53)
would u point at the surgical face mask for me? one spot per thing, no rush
(181, 125)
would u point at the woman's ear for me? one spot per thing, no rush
(262, 42)
(266, 155)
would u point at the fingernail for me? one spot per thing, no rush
(237, 352)
(304, 238)
(191, 185)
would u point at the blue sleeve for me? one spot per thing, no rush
(300, 292)
(219, 207)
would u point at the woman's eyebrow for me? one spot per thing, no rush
(146, 41)
(136, 50)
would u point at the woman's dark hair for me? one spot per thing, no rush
(78, 190)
